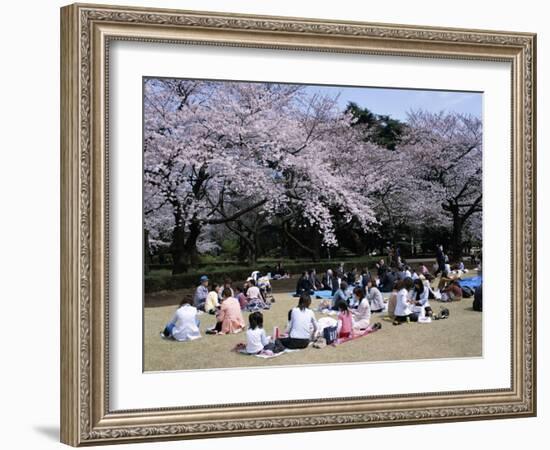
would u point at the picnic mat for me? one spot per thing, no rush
(472, 282)
(317, 294)
(368, 331)
(267, 355)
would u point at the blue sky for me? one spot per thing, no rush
(396, 102)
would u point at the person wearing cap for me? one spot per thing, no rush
(201, 293)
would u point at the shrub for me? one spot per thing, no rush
(163, 279)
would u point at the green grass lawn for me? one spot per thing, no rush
(458, 336)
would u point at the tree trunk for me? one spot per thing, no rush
(252, 256)
(184, 248)
(243, 250)
(456, 244)
(146, 251)
(360, 246)
(316, 245)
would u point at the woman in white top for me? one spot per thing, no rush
(375, 298)
(421, 298)
(302, 326)
(403, 312)
(361, 315)
(184, 326)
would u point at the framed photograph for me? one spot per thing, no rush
(276, 224)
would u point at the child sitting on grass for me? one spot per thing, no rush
(241, 297)
(212, 303)
(345, 321)
(256, 339)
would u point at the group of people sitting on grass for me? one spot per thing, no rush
(355, 296)
(302, 327)
(253, 295)
(223, 301)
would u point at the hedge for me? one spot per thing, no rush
(159, 282)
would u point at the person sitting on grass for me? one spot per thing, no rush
(330, 282)
(229, 318)
(340, 295)
(381, 269)
(355, 299)
(375, 298)
(420, 298)
(453, 292)
(365, 277)
(345, 322)
(256, 339)
(423, 270)
(387, 282)
(403, 312)
(361, 316)
(184, 325)
(201, 293)
(392, 301)
(228, 283)
(304, 285)
(303, 325)
(316, 284)
(254, 297)
(241, 297)
(212, 299)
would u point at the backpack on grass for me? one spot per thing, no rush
(330, 334)
(467, 291)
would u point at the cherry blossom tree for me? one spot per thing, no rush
(443, 154)
(218, 153)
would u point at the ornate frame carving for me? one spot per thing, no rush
(86, 31)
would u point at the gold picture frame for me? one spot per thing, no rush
(86, 31)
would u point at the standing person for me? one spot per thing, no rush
(345, 322)
(184, 325)
(403, 312)
(361, 316)
(397, 256)
(440, 259)
(302, 326)
(391, 256)
(212, 299)
(375, 298)
(201, 293)
(229, 318)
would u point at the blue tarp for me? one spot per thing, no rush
(472, 282)
(322, 294)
